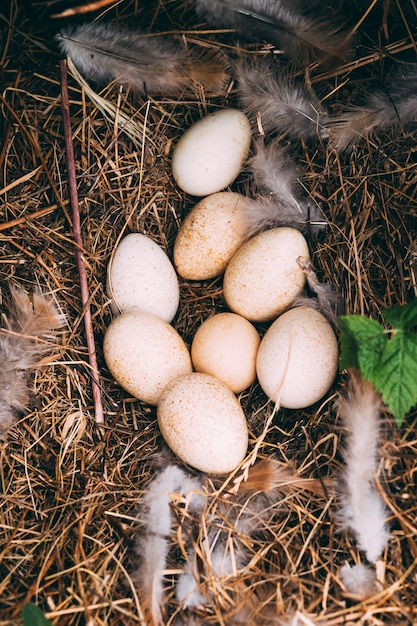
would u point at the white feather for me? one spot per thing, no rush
(153, 545)
(359, 580)
(363, 510)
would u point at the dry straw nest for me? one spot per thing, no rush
(69, 491)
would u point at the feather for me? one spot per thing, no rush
(276, 176)
(363, 510)
(29, 334)
(393, 107)
(328, 301)
(271, 97)
(302, 33)
(360, 581)
(146, 64)
(152, 545)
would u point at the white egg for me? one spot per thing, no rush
(202, 421)
(141, 276)
(298, 358)
(225, 346)
(263, 278)
(144, 353)
(211, 153)
(210, 235)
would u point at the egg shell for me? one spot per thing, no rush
(144, 353)
(298, 358)
(210, 154)
(203, 423)
(141, 276)
(225, 346)
(210, 235)
(263, 278)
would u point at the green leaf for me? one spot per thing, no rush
(396, 378)
(402, 317)
(362, 343)
(33, 616)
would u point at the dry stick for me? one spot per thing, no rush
(76, 226)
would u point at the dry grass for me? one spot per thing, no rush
(68, 491)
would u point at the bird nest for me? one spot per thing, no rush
(72, 485)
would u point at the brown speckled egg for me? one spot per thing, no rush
(210, 235)
(263, 278)
(144, 354)
(203, 423)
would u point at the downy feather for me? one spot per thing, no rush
(363, 510)
(152, 545)
(359, 581)
(29, 333)
(145, 63)
(304, 31)
(395, 106)
(276, 102)
(281, 201)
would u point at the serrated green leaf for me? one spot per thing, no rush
(402, 317)
(396, 378)
(362, 344)
(33, 616)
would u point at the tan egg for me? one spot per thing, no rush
(210, 235)
(211, 153)
(226, 346)
(144, 354)
(203, 423)
(263, 278)
(141, 276)
(298, 358)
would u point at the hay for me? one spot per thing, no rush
(69, 491)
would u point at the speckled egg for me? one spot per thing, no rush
(298, 358)
(144, 353)
(210, 235)
(263, 278)
(210, 154)
(203, 423)
(141, 276)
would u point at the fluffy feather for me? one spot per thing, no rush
(282, 202)
(29, 333)
(279, 104)
(359, 580)
(152, 545)
(363, 510)
(304, 31)
(383, 109)
(146, 64)
(328, 300)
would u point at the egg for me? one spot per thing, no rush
(211, 153)
(225, 346)
(298, 358)
(141, 276)
(203, 423)
(144, 353)
(263, 277)
(210, 235)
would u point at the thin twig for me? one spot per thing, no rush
(76, 225)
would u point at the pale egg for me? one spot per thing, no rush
(210, 154)
(225, 346)
(141, 276)
(210, 235)
(144, 353)
(298, 358)
(263, 278)
(203, 423)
